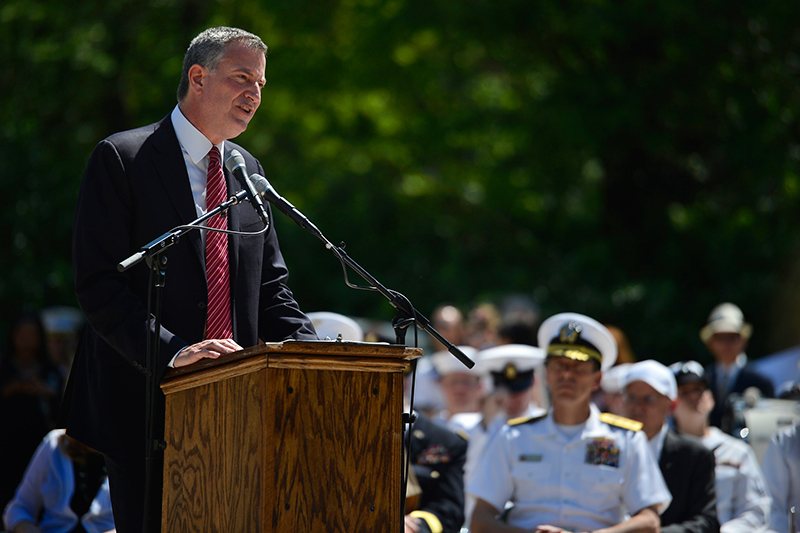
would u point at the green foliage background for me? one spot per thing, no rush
(635, 161)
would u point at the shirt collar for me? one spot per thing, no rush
(191, 139)
(657, 442)
(592, 426)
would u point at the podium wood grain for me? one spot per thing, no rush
(288, 437)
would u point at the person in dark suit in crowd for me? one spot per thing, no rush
(725, 335)
(437, 456)
(221, 293)
(435, 488)
(650, 394)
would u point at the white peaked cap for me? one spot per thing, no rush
(584, 330)
(522, 356)
(330, 325)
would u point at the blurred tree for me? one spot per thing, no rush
(634, 161)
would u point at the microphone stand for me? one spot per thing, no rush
(153, 254)
(406, 313)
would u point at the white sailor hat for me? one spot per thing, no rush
(331, 325)
(654, 374)
(446, 363)
(578, 337)
(613, 378)
(726, 318)
(512, 365)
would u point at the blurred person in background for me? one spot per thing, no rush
(626, 354)
(462, 387)
(481, 329)
(64, 490)
(449, 321)
(650, 394)
(726, 335)
(743, 503)
(62, 325)
(781, 468)
(519, 320)
(30, 394)
(511, 369)
(435, 488)
(609, 398)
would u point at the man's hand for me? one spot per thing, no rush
(412, 524)
(211, 348)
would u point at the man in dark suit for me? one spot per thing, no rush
(650, 394)
(725, 335)
(437, 456)
(138, 185)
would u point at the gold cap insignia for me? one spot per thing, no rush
(510, 372)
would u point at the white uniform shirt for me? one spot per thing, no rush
(47, 489)
(781, 468)
(478, 436)
(743, 503)
(590, 481)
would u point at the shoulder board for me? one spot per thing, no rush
(525, 420)
(620, 421)
(463, 434)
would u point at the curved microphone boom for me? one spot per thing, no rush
(235, 164)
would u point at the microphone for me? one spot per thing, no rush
(235, 163)
(265, 190)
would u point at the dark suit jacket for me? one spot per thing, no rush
(136, 188)
(688, 469)
(747, 378)
(437, 456)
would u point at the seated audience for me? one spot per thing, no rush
(64, 490)
(650, 394)
(572, 469)
(743, 503)
(781, 467)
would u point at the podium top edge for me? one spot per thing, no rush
(306, 348)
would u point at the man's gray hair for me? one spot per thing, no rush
(208, 49)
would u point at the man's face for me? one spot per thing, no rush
(230, 94)
(461, 392)
(516, 403)
(726, 346)
(570, 381)
(695, 402)
(645, 404)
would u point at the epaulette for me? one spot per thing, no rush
(463, 434)
(620, 421)
(526, 420)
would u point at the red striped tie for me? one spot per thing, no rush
(218, 313)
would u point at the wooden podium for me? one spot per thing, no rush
(289, 437)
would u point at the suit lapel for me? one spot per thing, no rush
(665, 461)
(171, 169)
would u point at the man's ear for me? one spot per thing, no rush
(598, 377)
(197, 78)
